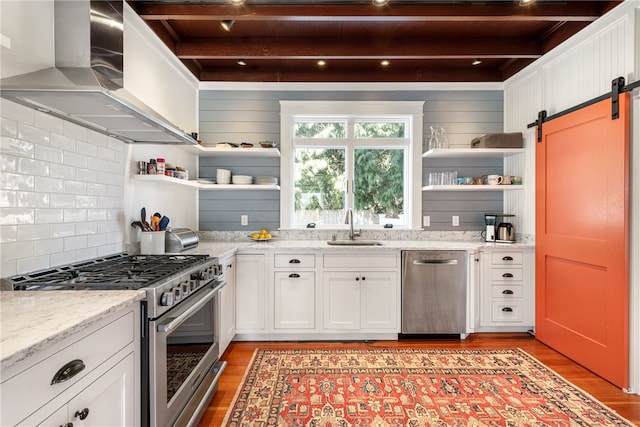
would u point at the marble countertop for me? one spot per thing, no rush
(33, 321)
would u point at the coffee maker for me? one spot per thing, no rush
(498, 229)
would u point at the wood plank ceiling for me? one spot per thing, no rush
(423, 41)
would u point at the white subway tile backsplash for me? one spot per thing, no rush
(74, 243)
(63, 230)
(63, 142)
(48, 122)
(75, 187)
(49, 216)
(49, 185)
(8, 127)
(33, 134)
(19, 113)
(14, 181)
(32, 199)
(48, 154)
(62, 171)
(33, 167)
(74, 159)
(17, 147)
(49, 246)
(33, 232)
(61, 191)
(10, 216)
(74, 215)
(28, 265)
(62, 201)
(8, 233)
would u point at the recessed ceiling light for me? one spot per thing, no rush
(227, 24)
(380, 2)
(321, 63)
(241, 62)
(385, 62)
(476, 62)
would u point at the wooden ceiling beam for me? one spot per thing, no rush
(577, 11)
(302, 48)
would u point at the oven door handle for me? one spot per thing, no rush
(177, 321)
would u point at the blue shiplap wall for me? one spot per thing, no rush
(253, 116)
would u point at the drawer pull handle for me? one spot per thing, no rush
(82, 414)
(294, 261)
(507, 292)
(294, 275)
(507, 309)
(507, 258)
(507, 275)
(68, 371)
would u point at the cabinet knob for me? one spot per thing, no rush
(68, 371)
(294, 261)
(364, 278)
(507, 258)
(507, 292)
(507, 275)
(230, 266)
(357, 278)
(294, 275)
(507, 309)
(82, 414)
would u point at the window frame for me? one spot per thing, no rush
(352, 111)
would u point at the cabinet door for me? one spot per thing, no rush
(378, 300)
(228, 305)
(108, 401)
(294, 300)
(250, 292)
(341, 293)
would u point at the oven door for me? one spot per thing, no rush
(183, 351)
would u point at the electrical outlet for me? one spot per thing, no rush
(455, 221)
(244, 219)
(426, 221)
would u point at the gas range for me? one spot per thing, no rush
(167, 279)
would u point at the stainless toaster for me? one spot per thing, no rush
(180, 239)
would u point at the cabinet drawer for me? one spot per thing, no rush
(510, 311)
(294, 261)
(33, 385)
(360, 261)
(506, 274)
(506, 291)
(507, 257)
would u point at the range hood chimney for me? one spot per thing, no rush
(86, 84)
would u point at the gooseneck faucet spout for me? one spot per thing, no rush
(348, 219)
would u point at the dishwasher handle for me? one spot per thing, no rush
(435, 261)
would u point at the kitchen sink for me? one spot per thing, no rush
(354, 243)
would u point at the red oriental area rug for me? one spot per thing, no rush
(406, 387)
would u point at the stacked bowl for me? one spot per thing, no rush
(266, 180)
(223, 176)
(242, 179)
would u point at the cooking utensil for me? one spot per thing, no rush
(143, 220)
(164, 222)
(138, 224)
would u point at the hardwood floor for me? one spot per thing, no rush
(238, 357)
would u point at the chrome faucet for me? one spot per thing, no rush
(348, 219)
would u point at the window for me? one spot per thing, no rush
(335, 162)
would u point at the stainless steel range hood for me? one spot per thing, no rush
(86, 85)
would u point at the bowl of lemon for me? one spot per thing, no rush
(261, 236)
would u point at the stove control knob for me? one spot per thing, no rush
(177, 293)
(167, 299)
(193, 284)
(199, 275)
(186, 289)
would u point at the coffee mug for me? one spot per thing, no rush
(494, 179)
(506, 180)
(516, 180)
(477, 181)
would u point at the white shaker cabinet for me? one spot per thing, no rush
(361, 293)
(508, 290)
(227, 302)
(294, 292)
(90, 378)
(250, 292)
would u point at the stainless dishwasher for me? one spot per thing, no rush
(434, 292)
